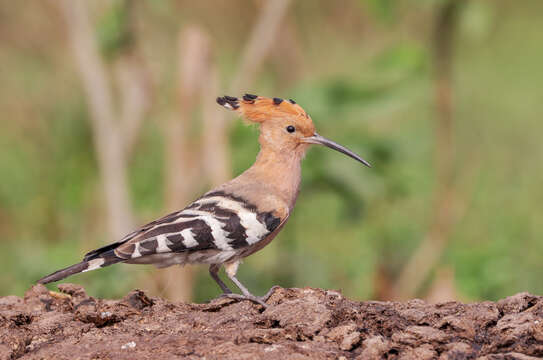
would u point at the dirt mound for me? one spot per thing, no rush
(299, 324)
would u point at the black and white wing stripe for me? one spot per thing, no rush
(216, 221)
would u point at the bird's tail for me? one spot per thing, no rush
(94, 260)
(64, 273)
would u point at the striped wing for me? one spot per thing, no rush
(215, 221)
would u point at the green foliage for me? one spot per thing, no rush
(114, 33)
(369, 88)
(384, 10)
(146, 172)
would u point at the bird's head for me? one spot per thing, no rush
(284, 126)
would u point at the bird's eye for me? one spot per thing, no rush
(291, 129)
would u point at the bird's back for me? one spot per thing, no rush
(213, 229)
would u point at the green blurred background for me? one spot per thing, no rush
(443, 98)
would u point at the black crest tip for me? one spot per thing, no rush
(277, 101)
(249, 97)
(228, 102)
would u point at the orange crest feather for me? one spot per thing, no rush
(259, 109)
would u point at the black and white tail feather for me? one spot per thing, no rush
(214, 229)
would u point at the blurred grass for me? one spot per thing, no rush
(366, 83)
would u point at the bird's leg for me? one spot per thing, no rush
(231, 270)
(267, 295)
(214, 272)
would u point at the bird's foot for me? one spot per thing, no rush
(256, 299)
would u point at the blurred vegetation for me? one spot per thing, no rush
(363, 71)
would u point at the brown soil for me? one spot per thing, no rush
(298, 324)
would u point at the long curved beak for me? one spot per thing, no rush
(317, 139)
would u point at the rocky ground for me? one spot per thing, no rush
(298, 324)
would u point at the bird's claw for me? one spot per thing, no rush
(256, 299)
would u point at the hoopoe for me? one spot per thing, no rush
(235, 219)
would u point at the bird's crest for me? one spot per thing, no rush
(259, 109)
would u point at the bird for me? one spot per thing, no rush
(237, 218)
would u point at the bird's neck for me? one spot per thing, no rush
(280, 171)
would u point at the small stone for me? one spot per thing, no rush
(76, 291)
(339, 332)
(349, 341)
(457, 350)
(517, 303)
(413, 334)
(424, 352)
(374, 348)
(129, 345)
(138, 300)
(272, 348)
